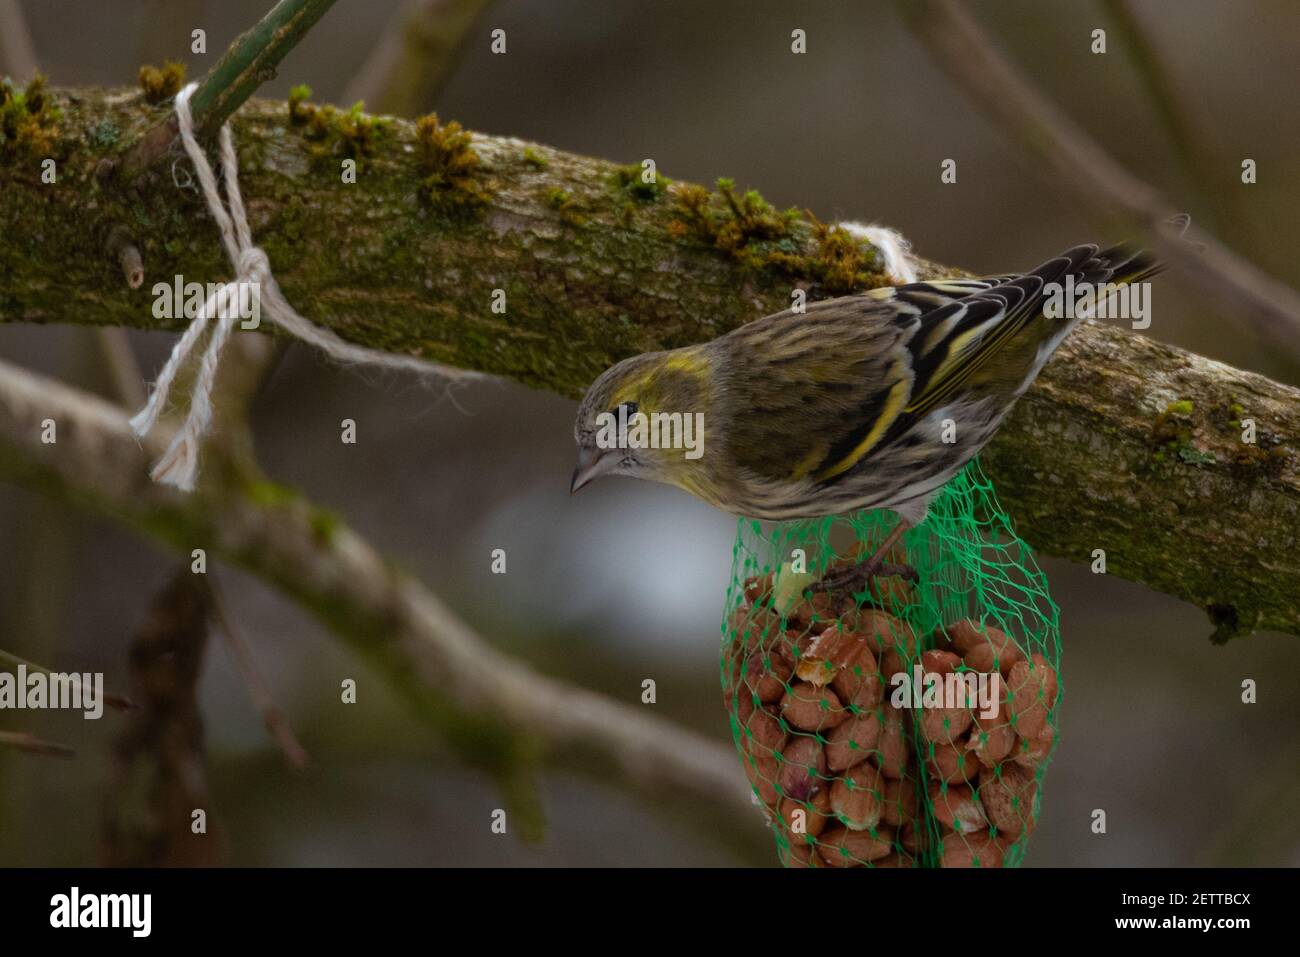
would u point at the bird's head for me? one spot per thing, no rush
(644, 418)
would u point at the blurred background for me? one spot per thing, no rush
(627, 580)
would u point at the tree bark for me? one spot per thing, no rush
(1124, 444)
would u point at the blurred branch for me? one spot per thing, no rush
(17, 52)
(486, 704)
(30, 744)
(158, 776)
(123, 370)
(158, 24)
(1087, 460)
(275, 721)
(1198, 157)
(415, 57)
(1071, 159)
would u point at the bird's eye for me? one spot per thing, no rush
(626, 408)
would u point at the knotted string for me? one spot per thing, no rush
(179, 464)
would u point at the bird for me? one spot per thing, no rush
(868, 401)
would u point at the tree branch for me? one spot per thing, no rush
(1075, 161)
(482, 701)
(415, 57)
(594, 271)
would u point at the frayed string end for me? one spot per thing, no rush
(179, 465)
(895, 251)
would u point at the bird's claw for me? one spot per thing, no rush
(854, 578)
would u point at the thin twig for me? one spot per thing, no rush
(1078, 163)
(10, 662)
(274, 719)
(250, 61)
(164, 743)
(34, 745)
(132, 265)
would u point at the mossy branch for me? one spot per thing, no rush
(499, 714)
(1093, 458)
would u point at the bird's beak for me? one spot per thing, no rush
(592, 464)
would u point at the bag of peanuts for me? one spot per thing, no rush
(904, 721)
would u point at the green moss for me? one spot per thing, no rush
(351, 133)
(1173, 437)
(1194, 456)
(264, 493)
(298, 106)
(105, 133)
(452, 181)
(1235, 413)
(159, 85)
(28, 120)
(324, 525)
(535, 159)
(757, 235)
(629, 179)
(358, 131)
(558, 199)
(270, 494)
(1251, 461)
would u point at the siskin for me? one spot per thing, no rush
(866, 401)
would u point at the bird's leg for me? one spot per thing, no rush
(854, 578)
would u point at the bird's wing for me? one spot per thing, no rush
(953, 341)
(998, 330)
(796, 385)
(986, 341)
(812, 395)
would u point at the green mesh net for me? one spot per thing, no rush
(907, 722)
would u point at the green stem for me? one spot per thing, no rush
(250, 61)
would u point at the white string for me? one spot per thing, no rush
(179, 465)
(893, 248)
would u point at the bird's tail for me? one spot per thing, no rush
(1100, 272)
(1123, 264)
(1129, 264)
